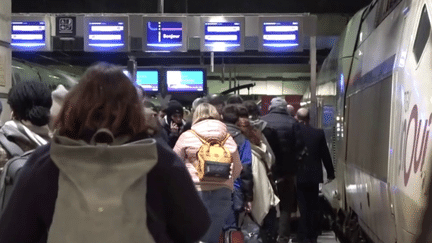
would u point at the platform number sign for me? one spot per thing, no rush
(65, 26)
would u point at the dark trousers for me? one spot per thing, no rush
(307, 194)
(287, 204)
(268, 230)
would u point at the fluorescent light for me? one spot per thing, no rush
(223, 28)
(107, 28)
(106, 45)
(105, 37)
(280, 45)
(281, 28)
(28, 27)
(279, 37)
(28, 44)
(164, 45)
(221, 37)
(27, 37)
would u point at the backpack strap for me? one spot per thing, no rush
(10, 147)
(199, 137)
(225, 139)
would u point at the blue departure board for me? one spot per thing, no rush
(28, 34)
(164, 34)
(103, 34)
(281, 34)
(222, 36)
(185, 80)
(148, 79)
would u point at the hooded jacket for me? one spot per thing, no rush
(71, 191)
(245, 182)
(187, 147)
(24, 134)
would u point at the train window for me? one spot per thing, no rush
(422, 35)
(386, 6)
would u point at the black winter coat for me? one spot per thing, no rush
(310, 168)
(284, 124)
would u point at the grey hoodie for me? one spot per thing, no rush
(101, 190)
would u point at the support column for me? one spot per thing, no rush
(5, 56)
(313, 83)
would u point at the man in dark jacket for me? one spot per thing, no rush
(310, 174)
(285, 167)
(243, 186)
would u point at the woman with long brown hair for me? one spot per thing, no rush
(102, 179)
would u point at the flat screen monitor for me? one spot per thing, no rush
(223, 36)
(193, 81)
(30, 35)
(110, 34)
(148, 80)
(280, 35)
(165, 34)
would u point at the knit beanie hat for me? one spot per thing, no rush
(58, 96)
(174, 107)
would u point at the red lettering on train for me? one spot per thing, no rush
(418, 153)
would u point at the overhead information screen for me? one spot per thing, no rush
(222, 36)
(28, 35)
(185, 80)
(148, 79)
(164, 34)
(106, 34)
(280, 34)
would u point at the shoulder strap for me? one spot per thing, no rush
(199, 136)
(11, 148)
(225, 139)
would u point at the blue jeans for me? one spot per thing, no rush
(235, 210)
(218, 203)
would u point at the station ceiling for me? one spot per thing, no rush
(188, 6)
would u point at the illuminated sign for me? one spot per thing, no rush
(148, 79)
(280, 34)
(106, 34)
(222, 36)
(165, 34)
(222, 33)
(66, 26)
(28, 35)
(185, 80)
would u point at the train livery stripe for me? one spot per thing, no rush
(374, 76)
(5, 44)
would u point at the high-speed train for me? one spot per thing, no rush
(375, 104)
(23, 71)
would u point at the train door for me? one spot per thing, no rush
(412, 115)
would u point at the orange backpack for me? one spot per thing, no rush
(214, 159)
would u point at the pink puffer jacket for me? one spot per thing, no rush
(187, 147)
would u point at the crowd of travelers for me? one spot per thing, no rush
(108, 165)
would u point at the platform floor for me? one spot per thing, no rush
(328, 237)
